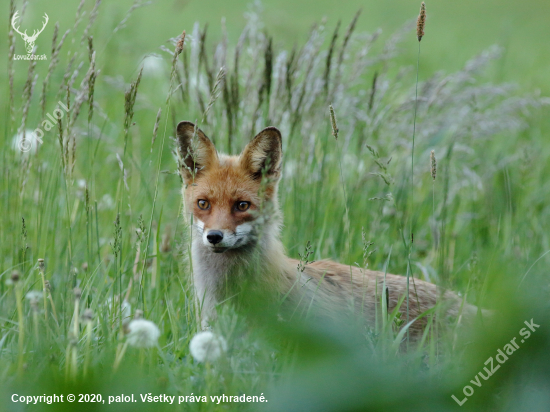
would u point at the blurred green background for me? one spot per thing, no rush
(455, 31)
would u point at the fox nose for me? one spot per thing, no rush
(214, 236)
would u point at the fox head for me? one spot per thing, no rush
(224, 193)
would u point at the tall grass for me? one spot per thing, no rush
(105, 240)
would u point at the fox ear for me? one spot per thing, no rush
(264, 154)
(197, 154)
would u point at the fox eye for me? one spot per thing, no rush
(242, 206)
(203, 204)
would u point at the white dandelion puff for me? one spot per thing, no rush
(126, 308)
(153, 65)
(34, 296)
(142, 333)
(206, 346)
(106, 203)
(29, 144)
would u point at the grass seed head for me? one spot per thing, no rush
(333, 122)
(129, 101)
(90, 47)
(421, 22)
(177, 52)
(179, 44)
(433, 164)
(92, 75)
(155, 129)
(215, 92)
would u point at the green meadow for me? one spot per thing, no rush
(93, 235)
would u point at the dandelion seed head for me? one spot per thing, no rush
(206, 346)
(126, 308)
(28, 145)
(142, 333)
(73, 340)
(88, 315)
(34, 296)
(106, 203)
(77, 293)
(15, 276)
(153, 66)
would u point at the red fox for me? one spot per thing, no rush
(225, 195)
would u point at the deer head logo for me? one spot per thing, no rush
(29, 40)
